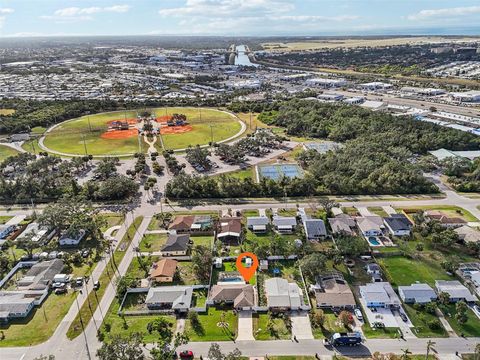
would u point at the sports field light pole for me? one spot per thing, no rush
(211, 132)
(84, 144)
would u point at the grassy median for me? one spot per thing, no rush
(109, 274)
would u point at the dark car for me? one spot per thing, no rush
(403, 316)
(96, 285)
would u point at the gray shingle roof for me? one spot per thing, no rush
(314, 228)
(179, 296)
(176, 242)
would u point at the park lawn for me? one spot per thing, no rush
(405, 271)
(205, 123)
(40, 325)
(4, 219)
(6, 151)
(94, 297)
(260, 331)
(449, 210)
(420, 320)
(152, 242)
(209, 329)
(69, 136)
(38, 130)
(133, 324)
(470, 329)
(206, 241)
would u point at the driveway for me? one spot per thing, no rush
(301, 327)
(245, 326)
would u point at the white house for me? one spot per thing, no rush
(282, 295)
(417, 294)
(257, 224)
(456, 290)
(72, 238)
(370, 225)
(284, 224)
(398, 225)
(379, 294)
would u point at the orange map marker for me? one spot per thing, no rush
(247, 272)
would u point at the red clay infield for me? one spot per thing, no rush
(175, 129)
(119, 134)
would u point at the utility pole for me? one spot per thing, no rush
(84, 145)
(89, 125)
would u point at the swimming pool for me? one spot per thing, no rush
(372, 240)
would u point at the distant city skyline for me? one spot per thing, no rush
(238, 17)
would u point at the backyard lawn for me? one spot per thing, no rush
(210, 327)
(405, 271)
(206, 241)
(278, 332)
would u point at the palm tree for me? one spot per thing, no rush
(405, 353)
(430, 347)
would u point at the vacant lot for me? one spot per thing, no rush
(405, 271)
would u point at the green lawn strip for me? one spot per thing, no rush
(239, 174)
(377, 210)
(152, 242)
(209, 329)
(261, 332)
(385, 333)
(127, 325)
(470, 329)
(4, 219)
(402, 271)
(6, 151)
(91, 304)
(420, 320)
(250, 213)
(40, 325)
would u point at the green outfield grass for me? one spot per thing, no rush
(6, 151)
(223, 126)
(69, 136)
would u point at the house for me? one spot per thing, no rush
(444, 220)
(370, 225)
(417, 294)
(342, 224)
(178, 298)
(41, 275)
(379, 294)
(455, 289)
(192, 224)
(39, 234)
(333, 292)
(163, 270)
(314, 229)
(230, 230)
(241, 296)
(72, 237)
(467, 234)
(282, 295)
(14, 305)
(257, 224)
(398, 225)
(284, 224)
(176, 245)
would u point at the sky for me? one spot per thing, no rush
(238, 17)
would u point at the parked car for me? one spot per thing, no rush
(186, 354)
(403, 316)
(96, 285)
(358, 314)
(57, 285)
(85, 253)
(79, 281)
(61, 290)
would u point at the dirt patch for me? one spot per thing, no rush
(164, 118)
(119, 134)
(175, 129)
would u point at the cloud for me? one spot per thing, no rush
(4, 11)
(446, 12)
(74, 14)
(236, 8)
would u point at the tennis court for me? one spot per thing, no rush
(277, 171)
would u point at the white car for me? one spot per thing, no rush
(358, 314)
